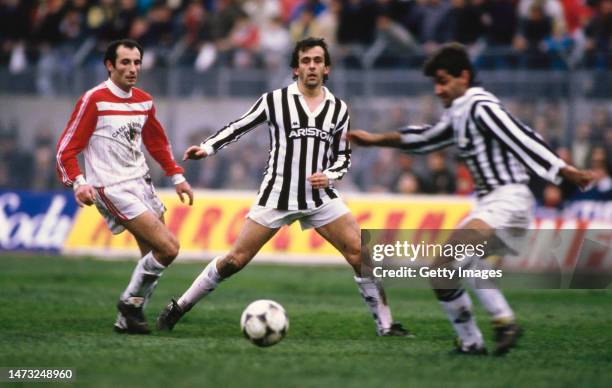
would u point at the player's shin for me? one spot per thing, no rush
(495, 304)
(458, 307)
(203, 285)
(143, 281)
(492, 299)
(374, 296)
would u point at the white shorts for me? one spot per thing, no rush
(310, 218)
(127, 200)
(509, 210)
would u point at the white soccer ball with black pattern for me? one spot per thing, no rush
(264, 322)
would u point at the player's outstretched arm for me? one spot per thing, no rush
(194, 153)
(581, 178)
(367, 139)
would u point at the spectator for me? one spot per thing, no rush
(228, 11)
(196, 30)
(433, 20)
(275, 43)
(18, 167)
(500, 22)
(439, 179)
(356, 29)
(305, 25)
(263, 12)
(581, 146)
(392, 46)
(244, 40)
(328, 23)
(43, 172)
(466, 19)
(15, 28)
(599, 33)
(407, 180)
(534, 29)
(465, 183)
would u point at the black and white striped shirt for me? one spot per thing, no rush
(495, 146)
(301, 143)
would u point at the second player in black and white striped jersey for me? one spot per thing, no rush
(301, 143)
(496, 147)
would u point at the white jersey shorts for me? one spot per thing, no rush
(509, 210)
(127, 200)
(311, 218)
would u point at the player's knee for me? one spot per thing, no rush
(175, 247)
(352, 251)
(170, 250)
(232, 263)
(447, 295)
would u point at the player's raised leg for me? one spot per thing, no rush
(344, 234)
(251, 238)
(159, 247)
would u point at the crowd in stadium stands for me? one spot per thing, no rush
(501, 34)
(258, 33)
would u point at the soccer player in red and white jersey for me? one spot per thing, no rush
(109, 124)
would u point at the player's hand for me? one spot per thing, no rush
(194, 153)
(184, 188)
(85, 195)
(318, 180)
(581, 178)
(361, 137)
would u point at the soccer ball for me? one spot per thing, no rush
(264, 322)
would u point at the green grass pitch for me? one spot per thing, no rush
(59, 312)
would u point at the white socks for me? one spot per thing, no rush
(490, 297)
(374, 297)
(495, 303)
(143, 281)
(459, 312)
(203, 285)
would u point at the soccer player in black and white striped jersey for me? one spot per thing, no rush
(497, 149)
(308, 152)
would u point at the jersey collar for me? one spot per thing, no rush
(468, 94)
(116, 90)
(293, 89)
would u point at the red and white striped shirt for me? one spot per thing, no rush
(109, 126)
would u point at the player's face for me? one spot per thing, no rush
(124, 73)
(448, 88)
(311, 67)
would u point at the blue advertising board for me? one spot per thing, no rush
(35, 221)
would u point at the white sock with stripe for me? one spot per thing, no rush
(143, 281)
(490, 296)
(459, 312)
(374, 296)
(203, 285)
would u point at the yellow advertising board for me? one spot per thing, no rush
(212, 224)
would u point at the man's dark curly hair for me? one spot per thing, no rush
(453, 58)
(111, 49)
(306, 44)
